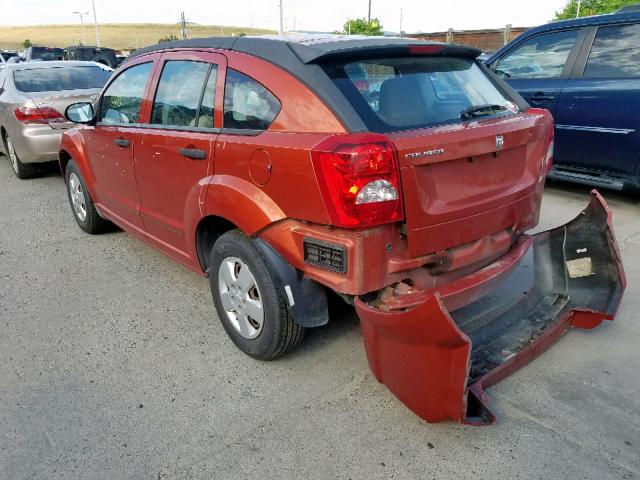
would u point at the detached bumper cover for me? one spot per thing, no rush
(437, 350)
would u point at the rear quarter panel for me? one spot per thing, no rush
(272, 171)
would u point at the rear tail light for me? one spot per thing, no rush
(359, 178)
(38, 115)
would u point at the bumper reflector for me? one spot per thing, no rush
(325, 255)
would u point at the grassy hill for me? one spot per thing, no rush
(118, 36)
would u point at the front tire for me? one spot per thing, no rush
(82, 206)
(21, 170)
(251, 307)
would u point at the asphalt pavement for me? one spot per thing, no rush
(113, 365)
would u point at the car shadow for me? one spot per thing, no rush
(343, 321)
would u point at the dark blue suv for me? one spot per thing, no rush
(587, 73)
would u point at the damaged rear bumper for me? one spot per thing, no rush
(437, 350)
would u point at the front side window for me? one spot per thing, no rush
(615, 53)
(121, 101)
(542, 56)
(179, 94)
(60, 78)
(248, 104)
(402, 93)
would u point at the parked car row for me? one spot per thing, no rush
(105, 56)
(263, 164)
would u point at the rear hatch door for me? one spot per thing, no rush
(470, 150)
(466, 181)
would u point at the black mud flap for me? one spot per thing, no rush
(306, 299)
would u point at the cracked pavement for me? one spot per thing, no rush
(114, 365)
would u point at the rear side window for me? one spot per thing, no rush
(542, 56)
(121, 101)
(414, 92)
(60, 78)
(179, 95)
(46, 53)
(248, 104)
(615, 52)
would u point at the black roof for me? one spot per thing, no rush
(309, 48)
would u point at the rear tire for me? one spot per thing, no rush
(21, 170)
(251, 307)
(82, 206)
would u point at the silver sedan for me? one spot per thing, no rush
(33, 98)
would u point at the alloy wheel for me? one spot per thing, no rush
(78, 201)
(240, 297)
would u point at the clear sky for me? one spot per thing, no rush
(323, 15)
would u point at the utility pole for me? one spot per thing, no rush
(183, 23)
(578, 9)
(400, 21)
(95, 21)
(369, 15)
(82, 14)
(281, 27)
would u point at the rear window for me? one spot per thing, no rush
(60, 78)
(46, 53)
(7, 55)
(404, 93)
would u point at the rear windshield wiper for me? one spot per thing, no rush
(479, 110)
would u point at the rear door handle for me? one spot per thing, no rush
(122, 142)
(193, 153)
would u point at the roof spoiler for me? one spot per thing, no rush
(366, 48)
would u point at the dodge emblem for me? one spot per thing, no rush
(499, 142)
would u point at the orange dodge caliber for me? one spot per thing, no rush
(400, 174)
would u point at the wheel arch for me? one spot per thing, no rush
(230, 203)
(63, 159)
(3, 136)
(208, 231)
(72, 148)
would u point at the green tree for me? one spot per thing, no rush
(170, 38)
(360, 26)
(27, 43)
(591, 7)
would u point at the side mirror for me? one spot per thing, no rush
(81, 112)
